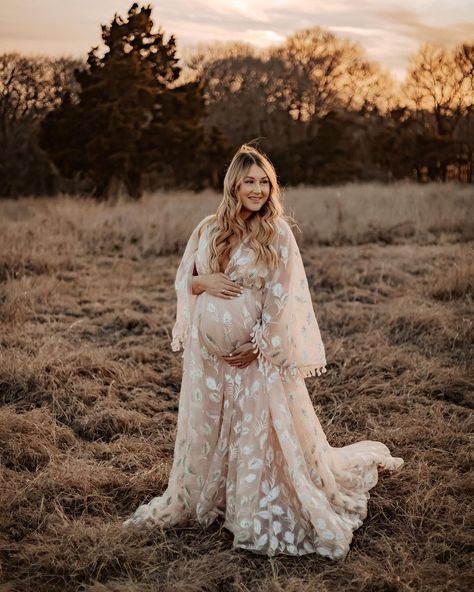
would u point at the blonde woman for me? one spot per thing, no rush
(249, 447)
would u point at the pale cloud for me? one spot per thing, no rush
(362, 32)
(390, 31)
(262, 38)
(247, 9)
(409, 24)
(392, 52)
(267, 10)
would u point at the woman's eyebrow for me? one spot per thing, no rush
(250, 177)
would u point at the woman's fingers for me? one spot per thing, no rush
(231, 284)
(233, 288)
(240, 360)
(230, 291)
(227, 295)
(226, 288)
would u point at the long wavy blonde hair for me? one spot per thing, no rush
(260, 228)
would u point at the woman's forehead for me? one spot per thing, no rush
(255, 171)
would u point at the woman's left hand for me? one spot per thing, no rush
(242, 356)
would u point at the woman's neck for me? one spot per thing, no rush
(245, 214)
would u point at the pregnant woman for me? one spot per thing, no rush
(249, 447)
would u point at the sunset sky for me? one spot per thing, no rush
(389, 30)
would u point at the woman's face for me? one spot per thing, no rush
(254, 190)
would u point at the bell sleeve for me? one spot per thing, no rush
(287, 335)
(185, 299)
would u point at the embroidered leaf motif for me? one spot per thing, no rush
(265, 514)
(206, 429)
(289, 537)
(211, 383)
(308, 547)
(233, 451)
(269, 455)
(255, 463)
(324, 551)
(276, 340)
(274, 493)
(215, 397)
(277, 290)
(320, 523)
(256, 386)
(209, 337)
(328, 535)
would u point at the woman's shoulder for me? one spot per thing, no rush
(283, 228)
(205, 220)
(204, 223)
(282, 224)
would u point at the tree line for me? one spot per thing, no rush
(135, 117)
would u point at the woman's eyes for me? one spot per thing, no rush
(264, 181)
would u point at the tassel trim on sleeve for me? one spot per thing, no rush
(176, 344)
(179, 339)
(287, 372)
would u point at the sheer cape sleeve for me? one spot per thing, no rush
(287, 335)
(185, 299)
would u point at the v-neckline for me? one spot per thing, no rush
(236, 250)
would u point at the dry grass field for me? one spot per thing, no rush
(89, 389)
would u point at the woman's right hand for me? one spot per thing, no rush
(219, 284)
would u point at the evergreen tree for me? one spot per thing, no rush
(131, 118)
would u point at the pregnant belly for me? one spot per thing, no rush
(224, 324)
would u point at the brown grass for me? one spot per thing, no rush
(89, 390)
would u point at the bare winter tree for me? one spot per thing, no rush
(236, 88)
(30, 86)
(440, 81)
(439, 90)
(280, 93)
(321, 72)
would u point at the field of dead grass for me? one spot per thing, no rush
(89, 390)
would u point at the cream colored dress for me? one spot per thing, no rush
(249, 446)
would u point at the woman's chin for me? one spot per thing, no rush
(252, 208)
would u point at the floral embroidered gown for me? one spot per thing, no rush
(249, 446)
